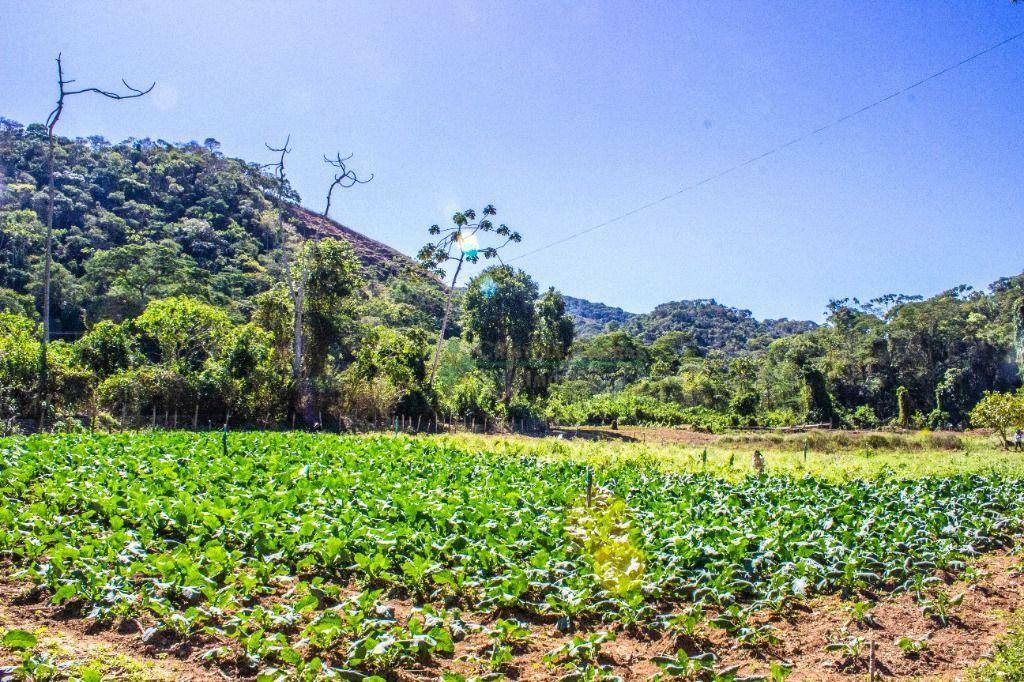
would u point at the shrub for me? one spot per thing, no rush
(1000, 412)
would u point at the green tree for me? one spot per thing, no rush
(461, 243)
(500, 318)
(610, 361)
(1000, 412)
(552, 341)
(400, 358)
(19, 358)
(124, 279)
(669, 351)
(108, 348)
(248, 374)
(186, 330)
(333, 276)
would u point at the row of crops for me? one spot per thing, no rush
(284, 548)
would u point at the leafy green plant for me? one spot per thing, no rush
(860, 612)
(912, 646)
(938, 605)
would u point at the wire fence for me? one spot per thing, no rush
(412, 424)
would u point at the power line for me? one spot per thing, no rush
(773, 150)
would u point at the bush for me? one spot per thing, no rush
(864, 418)
(1000, 412)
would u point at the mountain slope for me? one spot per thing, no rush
(145, 219)
(380, 260)
(593, 318)
(714, 326)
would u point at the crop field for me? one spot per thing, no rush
(301, 556)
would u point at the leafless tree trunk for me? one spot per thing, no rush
(444, 322)
(296, 285)
(51, 124)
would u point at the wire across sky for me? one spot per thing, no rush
(773, 150)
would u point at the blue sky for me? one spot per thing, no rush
(565, 115)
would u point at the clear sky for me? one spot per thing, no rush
(565, 115)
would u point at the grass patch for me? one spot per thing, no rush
(1008, 660)
(907, 457)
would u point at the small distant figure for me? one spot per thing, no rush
(758, 462)
(1018, 439)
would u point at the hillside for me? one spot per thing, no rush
(379, 260)
(714, 326)
(593, 318)
(144, 219)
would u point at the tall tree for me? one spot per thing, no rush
(460, 243)
(552, 341)
(51, 124)
(296, 285)
(501, 318)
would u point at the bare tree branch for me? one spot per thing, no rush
(345, 179)
(51, 123)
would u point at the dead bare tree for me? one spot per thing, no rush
(296, 276)
(344, 178)
(51, 124)
(296, 285)
(461, 236)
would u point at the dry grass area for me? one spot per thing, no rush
(831, 454)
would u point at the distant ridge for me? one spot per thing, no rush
(712, 325)
(593, 318)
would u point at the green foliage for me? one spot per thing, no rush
(1000, 412)
(473, 395)
(19, 358)
(108, 348)
(142, 222)
(500, 319)
(629, 408)
(19, 640)
(712, 326)
(186, 331)
(610, 361)
(333, 275)
(551, 344)
(99, 520)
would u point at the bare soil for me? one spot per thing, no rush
(803, 631)
(75, 642)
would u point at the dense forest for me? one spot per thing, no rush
(173, 300)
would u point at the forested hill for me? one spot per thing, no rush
(714, 326)
(711, 326)
(593, 318)
(144, 219)
(168, 293)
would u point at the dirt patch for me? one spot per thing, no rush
(647, 435)
(76, 643)
(974, 625)
(804, 633)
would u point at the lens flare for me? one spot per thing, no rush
(488, 287)
(468, 244)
